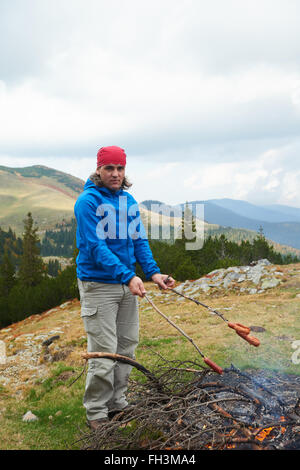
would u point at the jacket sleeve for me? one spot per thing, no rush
(142, 251)
(96, 246)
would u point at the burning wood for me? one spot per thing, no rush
(194, 410)
(257, 398)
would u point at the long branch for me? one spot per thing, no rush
(175, 326)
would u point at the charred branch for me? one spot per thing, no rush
(191, 411)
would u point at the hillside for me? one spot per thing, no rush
(44, 352)
(49, 194)
(24, 340)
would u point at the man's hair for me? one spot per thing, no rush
(95, 178)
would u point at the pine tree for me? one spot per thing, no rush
(186, 270)
(261, 248)
(7, 275)
(32, 268)
(188, 224)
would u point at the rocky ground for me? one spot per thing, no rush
(33, 344)
(255, 279)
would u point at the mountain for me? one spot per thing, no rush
(238, 219)
(272, 213)
(48, 194)
(288, 210)
(285, 232)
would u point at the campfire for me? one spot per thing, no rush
(184, 406)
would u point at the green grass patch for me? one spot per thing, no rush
(59, 410)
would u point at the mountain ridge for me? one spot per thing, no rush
(47, 193)
(50, 195)
(285, 233)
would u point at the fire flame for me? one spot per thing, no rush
(263, 433)
(266, 431)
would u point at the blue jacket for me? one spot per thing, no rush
(110, 236)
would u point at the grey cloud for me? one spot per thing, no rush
(215, 37)
(220, 37)
(175, 38)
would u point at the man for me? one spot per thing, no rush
(110, 239)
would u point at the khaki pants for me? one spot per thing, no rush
(110, 316)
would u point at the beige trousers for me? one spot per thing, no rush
(110, 316)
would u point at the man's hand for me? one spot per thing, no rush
(136, 286)
(163, 280)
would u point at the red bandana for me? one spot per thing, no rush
(111, 155)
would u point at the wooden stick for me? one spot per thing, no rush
(124, 359)
(116, 357)
(175, 326)
(202, 304)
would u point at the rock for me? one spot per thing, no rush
(252, 291)
(180, 288)
(253, 279)
(264, 262)
(65, 304)
(205, 288)
(269, 283)
(255, 273)
(29, 416)
(226, 283)
(284, 338)
(52, 311)
(2, 353)
(57, 331)
(257, 329)
(191, 291)
(49, 341)
(40, 337)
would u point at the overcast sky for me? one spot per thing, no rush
(204, 96)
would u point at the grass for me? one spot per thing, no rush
(59, 406)
(60, 415)
(41, 196)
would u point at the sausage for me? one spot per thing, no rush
(238, 327)
(250, 339)
(213, 366)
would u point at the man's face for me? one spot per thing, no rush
(111, 176)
